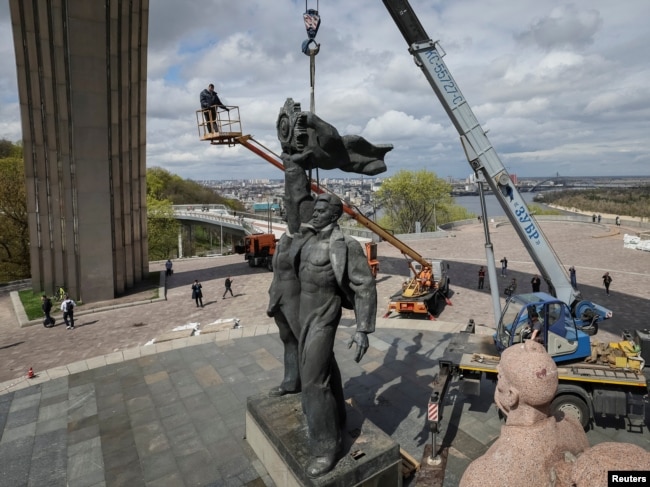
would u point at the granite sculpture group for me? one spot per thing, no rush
(536, 448)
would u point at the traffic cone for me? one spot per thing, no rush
(30, 373)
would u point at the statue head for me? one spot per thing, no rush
(327, 209)
(527, 382)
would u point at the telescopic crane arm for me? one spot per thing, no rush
(484, 160)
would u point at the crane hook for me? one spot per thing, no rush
(312, 23)
(309, 50)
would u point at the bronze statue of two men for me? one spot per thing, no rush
(317, 271)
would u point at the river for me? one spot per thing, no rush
(473, 203)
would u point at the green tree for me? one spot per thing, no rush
(9, 149)
(165, 189)
(14, 237)
(417, 196)
(163, 185)
(157, 181)
(162, 228)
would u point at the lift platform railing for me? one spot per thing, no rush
(220, 125)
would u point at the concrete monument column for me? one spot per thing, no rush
(82, 72)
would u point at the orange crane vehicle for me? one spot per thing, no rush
(428, 283)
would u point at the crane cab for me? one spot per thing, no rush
(562, 338)
(219, 124)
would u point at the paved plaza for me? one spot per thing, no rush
(106, 408)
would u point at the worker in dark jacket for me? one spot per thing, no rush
(209, 103)
(46, 306)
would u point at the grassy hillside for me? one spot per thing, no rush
(634, 202)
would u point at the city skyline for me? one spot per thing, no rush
(279, 180)
(560, 87)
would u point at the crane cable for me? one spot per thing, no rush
(310, 48)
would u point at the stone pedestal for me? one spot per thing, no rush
(277, 431)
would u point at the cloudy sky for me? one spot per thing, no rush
(561, 86)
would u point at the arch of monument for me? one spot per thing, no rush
(82, 80)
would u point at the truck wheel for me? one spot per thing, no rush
(571, 405)
(269, 264)
(251, 262)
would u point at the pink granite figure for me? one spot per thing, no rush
(531, 441)
(590, 468)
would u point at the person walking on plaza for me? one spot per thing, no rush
(481, 277)
(67, 306)
(197, 294)
(168, 268)
(228, 287)
(536, 282)
(607, 280)
(504, 267)
(572, 275)
(618, 221)
(46, 306)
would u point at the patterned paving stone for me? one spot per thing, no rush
(124, 413)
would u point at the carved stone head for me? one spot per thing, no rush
(527, 378)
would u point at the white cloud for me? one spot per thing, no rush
(561, 87)
(400, 126)
(565, 26)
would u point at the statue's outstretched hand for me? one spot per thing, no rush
(361, 339)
